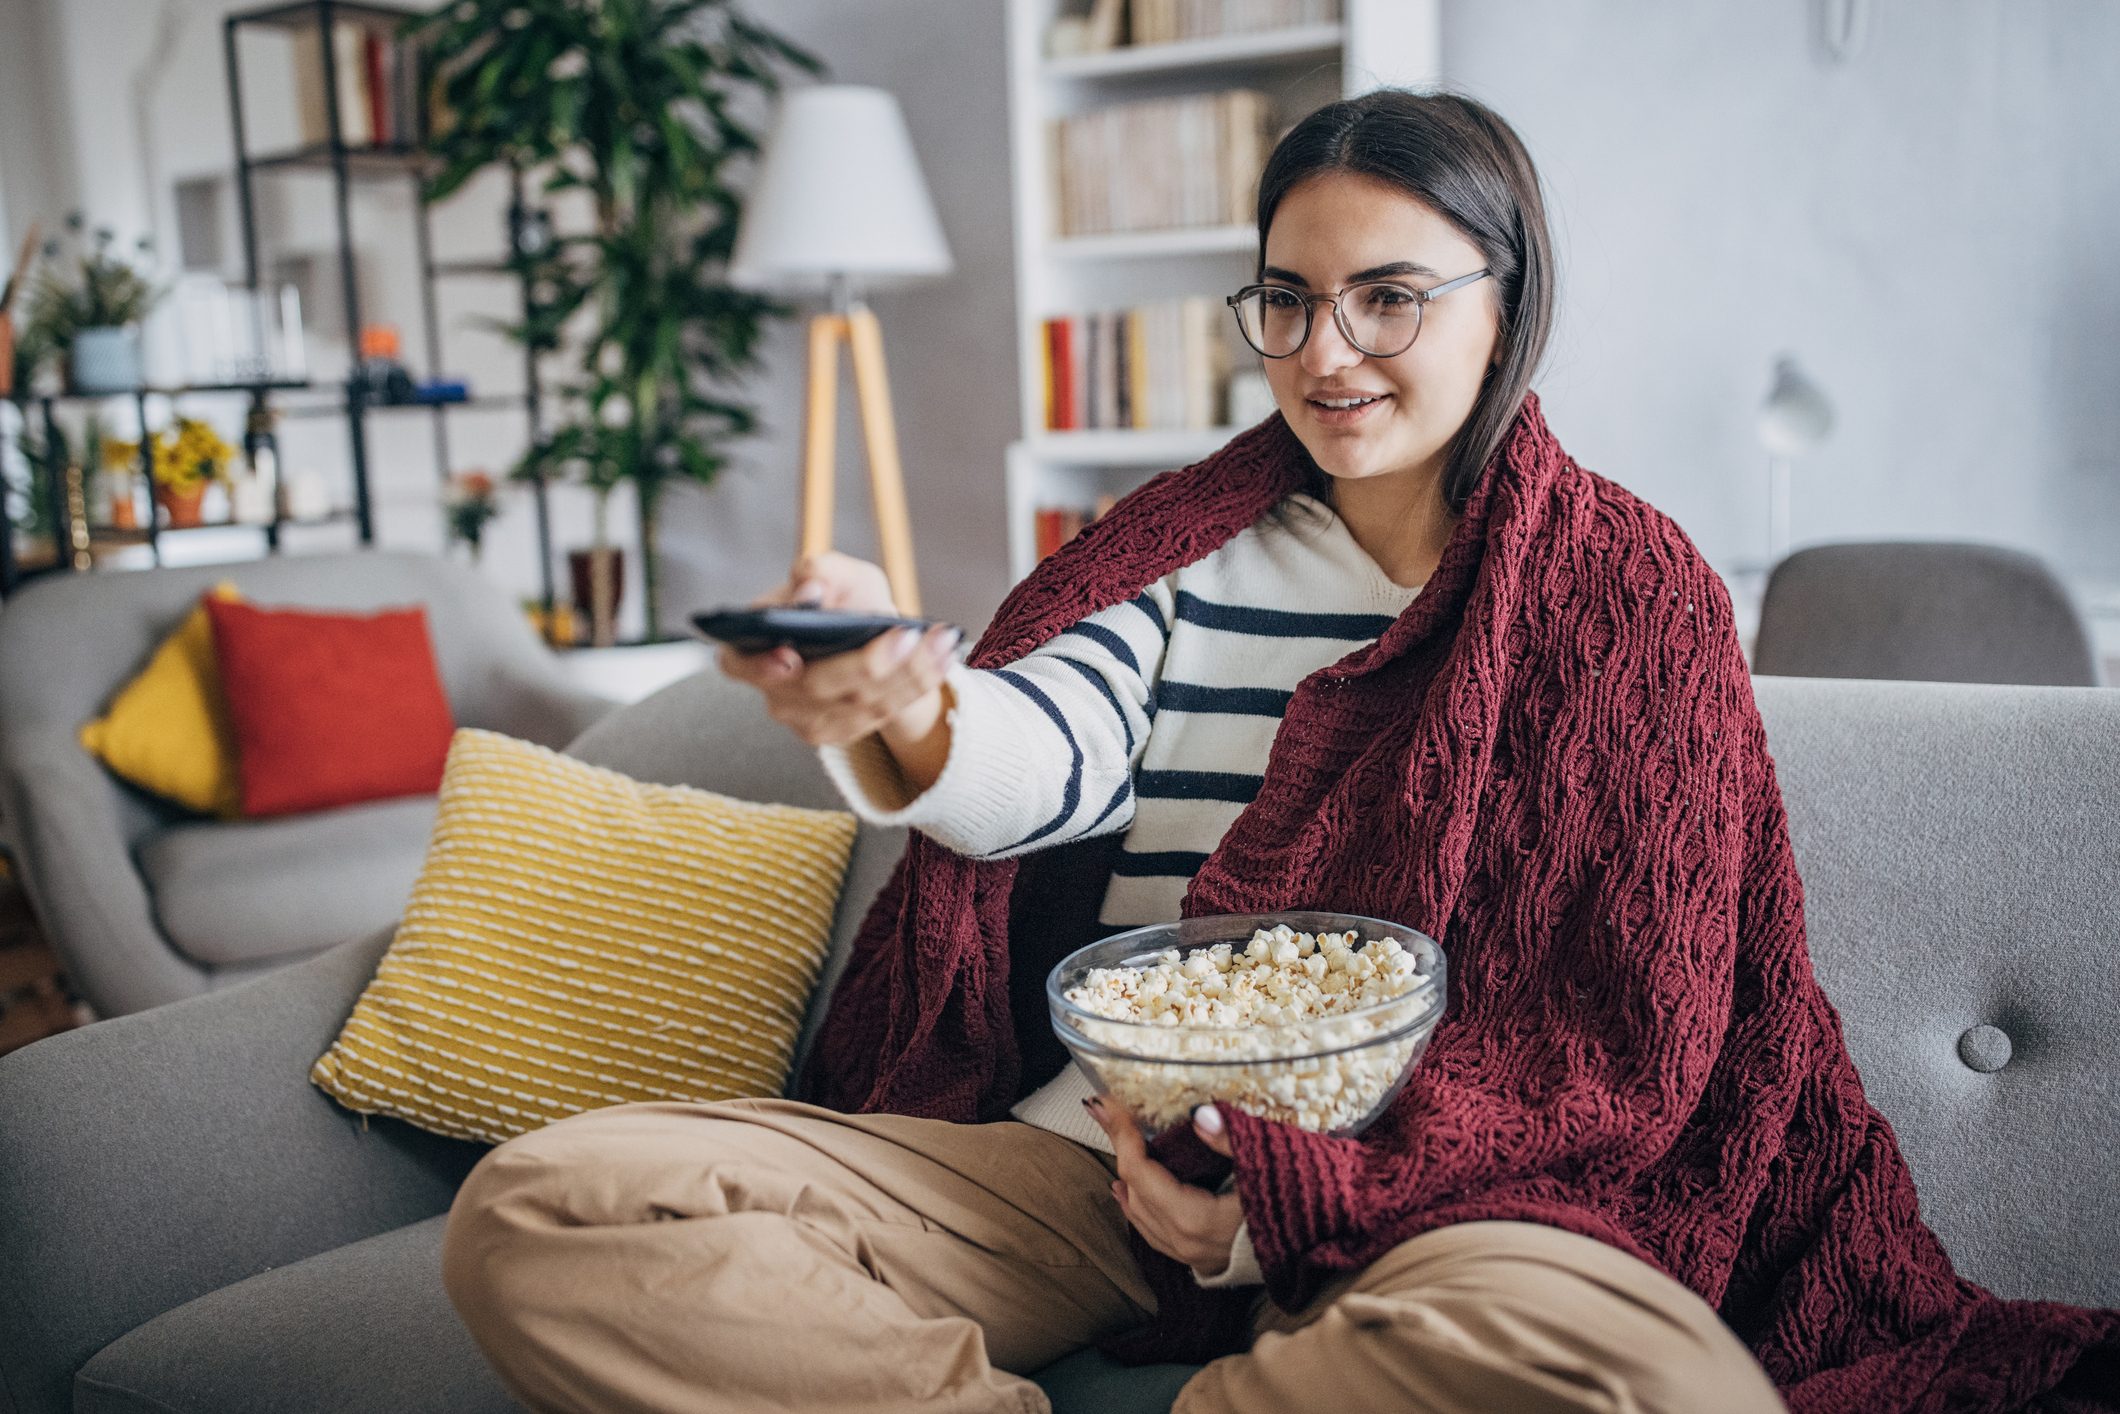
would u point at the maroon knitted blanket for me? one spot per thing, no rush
(1552, 763)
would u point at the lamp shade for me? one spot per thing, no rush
(839, 193)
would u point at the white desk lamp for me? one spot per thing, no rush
(839, 207)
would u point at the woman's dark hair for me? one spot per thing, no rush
(1457, 156)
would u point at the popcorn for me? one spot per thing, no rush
(1294, 1027)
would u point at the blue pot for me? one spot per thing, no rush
(106, 361)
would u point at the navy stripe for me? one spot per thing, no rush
(1169, 863)
(1111, 642)
(1126, 788)
(1279, 623)
(1197, 785)
(1073, 795)
(1155, 615)
(1104, 687)
(1236, 701)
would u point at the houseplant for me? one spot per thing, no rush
(89, 307)
(642, 105)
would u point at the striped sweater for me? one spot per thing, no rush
(1153, 717)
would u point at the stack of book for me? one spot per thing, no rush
(1161, 163)
(1056, 525)
(1157, 365)
(377, 79)
(1167, 21)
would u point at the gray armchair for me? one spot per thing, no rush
(186, 1224)
(1922, 611)
(146, 904)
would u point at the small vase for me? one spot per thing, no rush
(184, 509)
(105, 360)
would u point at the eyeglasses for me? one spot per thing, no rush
(1381, 318)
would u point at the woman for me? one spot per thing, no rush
(1391, 653)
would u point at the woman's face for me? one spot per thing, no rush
(1339, 228)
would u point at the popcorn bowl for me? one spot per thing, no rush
(1333, 1073)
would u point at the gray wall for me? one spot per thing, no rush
(1927, 227)
(950, 342)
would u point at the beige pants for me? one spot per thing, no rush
(763, 1255)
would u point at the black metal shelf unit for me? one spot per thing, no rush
(346, 164)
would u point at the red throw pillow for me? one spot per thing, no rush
(331, 709)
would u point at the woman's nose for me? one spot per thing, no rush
(1327, 350)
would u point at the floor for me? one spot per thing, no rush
(35, 1000)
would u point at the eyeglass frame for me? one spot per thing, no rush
(1339, 317)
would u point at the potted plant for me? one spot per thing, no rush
(471, 503)
(641, 104)
(187, 459)
(92, 311)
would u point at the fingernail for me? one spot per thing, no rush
(947, 644)
(903, 644)
(1209, 1119)
(809, 591)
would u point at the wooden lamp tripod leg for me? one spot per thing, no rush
(886, 476)
(820, 434)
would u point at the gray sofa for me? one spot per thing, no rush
(187, 1225)
(146, 904)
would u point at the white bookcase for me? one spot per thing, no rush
(1376, 42)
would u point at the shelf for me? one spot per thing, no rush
(451, 269)
(303, 13)
(485, 402)
(395, 161)
(1132, 245)
(1303, 42)
(178, 390)
(1158, 447)
(112, 535)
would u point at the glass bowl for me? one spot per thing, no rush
(1333, 1074)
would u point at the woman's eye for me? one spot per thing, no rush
(1279, 299)
(1389, 297)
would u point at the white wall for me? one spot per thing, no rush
(1926, 227)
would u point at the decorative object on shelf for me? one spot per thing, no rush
(591, 95)
(233, 334)
(187, 458)
(472, 502)
(840, 203)
(93, 314)
(381, 376)
(120, 484)
(256, 498)
(1794, 421)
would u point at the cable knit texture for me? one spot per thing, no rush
(1551, 762)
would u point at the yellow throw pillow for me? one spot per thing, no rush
(167, 731)
(577, 939)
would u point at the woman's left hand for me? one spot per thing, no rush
(1190, 1224)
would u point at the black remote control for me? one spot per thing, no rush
(809, 630)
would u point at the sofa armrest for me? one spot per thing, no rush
(152, 1158)
(63, 812)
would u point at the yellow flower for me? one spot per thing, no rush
(190, 455)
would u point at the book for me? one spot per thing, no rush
(349, 72)
(1159, 164)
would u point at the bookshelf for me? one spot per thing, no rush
(1298, 67)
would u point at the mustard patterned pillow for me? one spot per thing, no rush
(578, 939)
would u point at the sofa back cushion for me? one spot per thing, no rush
(1960, 853)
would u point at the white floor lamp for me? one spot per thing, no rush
(840, 208)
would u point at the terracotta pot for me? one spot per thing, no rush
(184, 510)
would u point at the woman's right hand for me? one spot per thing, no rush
(891, 685)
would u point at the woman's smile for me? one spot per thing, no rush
(1344, 409)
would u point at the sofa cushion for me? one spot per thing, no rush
(578, 939)
(364, 1327)
(240, 891)
(368, 1328)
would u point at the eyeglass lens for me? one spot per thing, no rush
(1379, 319)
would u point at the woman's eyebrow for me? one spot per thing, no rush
(1375, 272)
